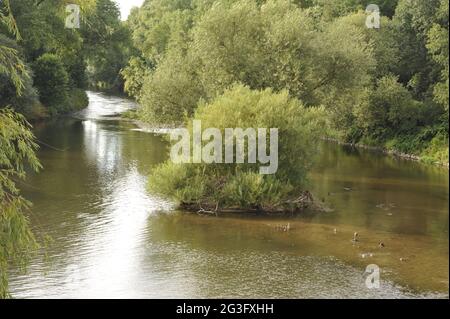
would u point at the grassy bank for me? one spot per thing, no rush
(434, 151)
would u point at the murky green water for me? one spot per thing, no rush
(113, 239)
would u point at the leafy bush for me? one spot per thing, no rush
(240, 185)
(77, 99)
(383, 88)
(389, 110)
(51, 80)
(17, 150)
(131, 114)
(271, 44)
(172, 91)
(26, 103)
(134, 74)
(437, 150)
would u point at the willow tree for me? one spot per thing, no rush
(17, 149)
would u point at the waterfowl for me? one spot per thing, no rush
(286, 227)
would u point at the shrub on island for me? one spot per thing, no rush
(218, 187)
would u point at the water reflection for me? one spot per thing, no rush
(101, 147)
(101, 106)
(385, 193)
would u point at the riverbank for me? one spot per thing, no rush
(391, 152)
(147, 127)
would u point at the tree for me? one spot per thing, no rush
(106, 46)
(437, 45)
(134, 75)
(413, 20)
(383, 42)
(320, 51)
(389, 110)
(218, 186)
(17, 91)
(333, 9)
(17, 148)
(43, 27)
(51, 80)
(275, 45)
(159, 23)
(227, 42)
(11, 63)
(172, 91)
(279, 45)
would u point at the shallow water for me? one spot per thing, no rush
(113, 239)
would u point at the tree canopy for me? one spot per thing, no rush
(320, 51)
(17, 149)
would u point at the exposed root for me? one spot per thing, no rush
(292, 206)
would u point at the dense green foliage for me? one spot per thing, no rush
(43, 35)
(218, 185)
(320, 51)
(62, 62)
(51, 79)
(106, 45)
(17, 149)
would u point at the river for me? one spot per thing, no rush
(113, 239)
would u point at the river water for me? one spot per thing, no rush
(112, 239)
